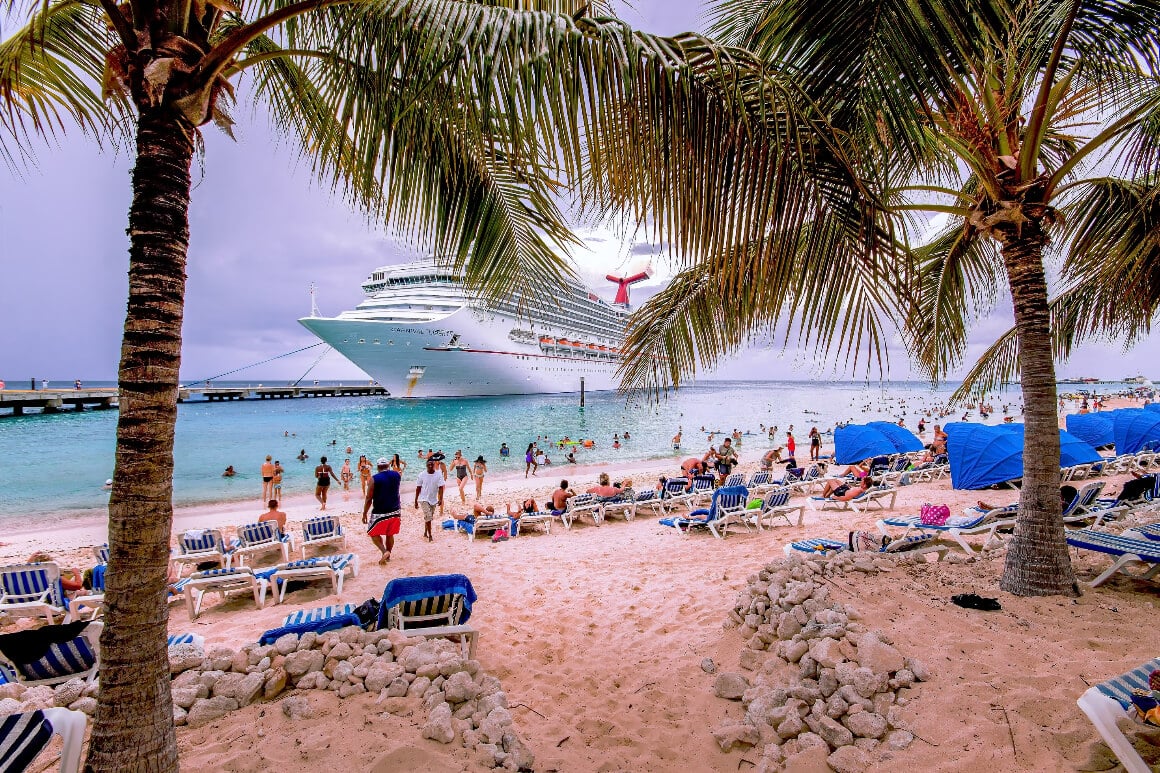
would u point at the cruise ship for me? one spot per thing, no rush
(418, 333)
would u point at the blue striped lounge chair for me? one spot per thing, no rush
(481, 524)
(873, 496)
(623, 504)
(1109, 701)
(260, 537)
(432, 606)
(185, 638)
(63, 659)
(702, 490)
(1129, 548)
(101, 553)
(24, 736)
(726, 508)
(198, 546)
(322, 530)
(736, 479)
(651, 500)
(32, 590)
(915, 544)
(580, 505)
(811, 476)
(955, 529)
(542, 519)
(776, 505)
(328, 568)
(237, 579)
(318, 614)
(676, 492)
(760, 482)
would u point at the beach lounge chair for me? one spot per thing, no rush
(955, 529)
(735, 479)
(676, 493)
(624, 505)
(197, 546)
(541, 519)
(222, 582)
(432, 606)
(650, 500)
(811, 476)
(775, 505)
(702, 490)
(32, 590)
(260, 537)
(91, 605)
(1110, 701)
(322, 530)
(871, 497)
(583, 504)
(1129, 548)
(760, 482)
(482, 524)
(327, 568)
(914, 545)
(318, 613)
(727, 507)
(24, 736)
(52, 654)
(101, 553)
(185, 638)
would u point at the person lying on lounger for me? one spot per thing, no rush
(859, 470)
(840, 491)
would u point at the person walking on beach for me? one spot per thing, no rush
(323, 474)
(364, 473)
(815, 444)
(530, 460)
(790, 444)
(397, 464)
(382, 502)
(429, 494)
(346, 475)
(726, 459)
(268, 478)
(462, 473)
(478, 471)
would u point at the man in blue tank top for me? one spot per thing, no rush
(383, 504)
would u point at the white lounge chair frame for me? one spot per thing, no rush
(957, 533)
(324, 570)
(92, 635)
(625, 507)
(1104, 712)
(769, 512)
(335, 536)
(47, 602)
(583, 504)
(244, 548)
(220, 554)
(222, 582)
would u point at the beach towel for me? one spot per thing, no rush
(316, 626)
(403, 589)
(33, 644)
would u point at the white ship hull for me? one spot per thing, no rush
(468, 353)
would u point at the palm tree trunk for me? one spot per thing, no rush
(134, 724)
(1037, 561)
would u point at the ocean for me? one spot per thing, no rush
(57, 463)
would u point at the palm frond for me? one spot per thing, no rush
(51, 72)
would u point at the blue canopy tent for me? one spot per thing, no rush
(903, 439)
(856, 442)
(1092, 428)
(1136, 430)
(983, 455)
(1152, 407)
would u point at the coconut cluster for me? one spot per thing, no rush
(821, 688)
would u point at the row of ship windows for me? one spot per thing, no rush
(376, 342)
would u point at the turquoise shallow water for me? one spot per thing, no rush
(57, 463)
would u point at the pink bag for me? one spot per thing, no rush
(934, 515)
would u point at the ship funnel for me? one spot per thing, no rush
(624, 283)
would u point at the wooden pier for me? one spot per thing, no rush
(58, 400)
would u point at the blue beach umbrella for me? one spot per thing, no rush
(1136, 429)
(1152, 407)
(982, 456)
(856, 442)
(1094, 429)
(903, 439)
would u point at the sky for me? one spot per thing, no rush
(261, 233)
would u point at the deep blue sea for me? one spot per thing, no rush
(58, 462)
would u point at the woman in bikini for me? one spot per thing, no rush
(530, 460)
(364, 473)
(462, 473)
(324, 475)
(478, 471)
(398, 465)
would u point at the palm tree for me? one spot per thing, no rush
(460, 123)
(1000, 116)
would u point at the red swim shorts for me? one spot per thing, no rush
(384, 525)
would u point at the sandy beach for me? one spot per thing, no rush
(598, 636)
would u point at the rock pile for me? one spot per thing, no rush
(824, 689)
(462, 701)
